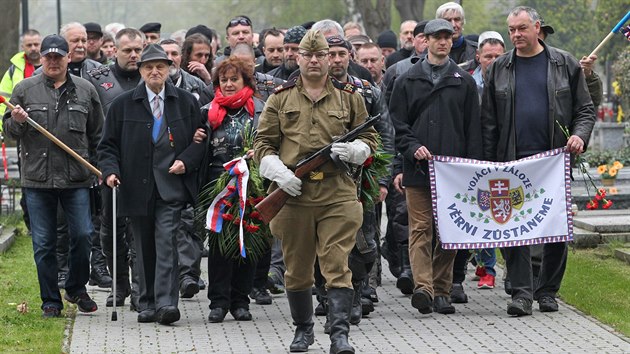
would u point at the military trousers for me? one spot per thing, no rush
(325, 232)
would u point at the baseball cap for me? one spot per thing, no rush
(93, 27)
(54, 43)
(490, 34)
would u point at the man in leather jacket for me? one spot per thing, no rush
(528, 92)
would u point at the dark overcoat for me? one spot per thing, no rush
(126, 148)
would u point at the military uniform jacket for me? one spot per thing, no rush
(293, 127)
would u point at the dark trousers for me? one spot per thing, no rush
(156, 253)
(460, 266)
(261, 273)
(43, 204)
(188, 247)
(229, 281)
(519, 267)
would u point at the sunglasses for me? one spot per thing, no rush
(240, 21)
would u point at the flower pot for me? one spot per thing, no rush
(608, 182)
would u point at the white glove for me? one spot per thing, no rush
(272, 168)
(355, 152)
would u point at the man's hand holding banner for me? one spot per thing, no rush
(481, 204)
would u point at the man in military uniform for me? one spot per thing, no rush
(304, 115)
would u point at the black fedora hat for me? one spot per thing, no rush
(154, 52)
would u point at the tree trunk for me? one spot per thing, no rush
(376, 16)
(10, 29)
(410, 9)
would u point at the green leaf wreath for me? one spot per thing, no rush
(374, 168)
(257, 237)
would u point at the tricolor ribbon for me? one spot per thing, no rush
(239, 171)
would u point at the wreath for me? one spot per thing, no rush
(374, 168)
(233, 226)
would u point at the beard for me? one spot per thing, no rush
(291, 65)
(33, 56)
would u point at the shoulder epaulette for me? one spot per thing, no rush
(343, 86)
(287, 85)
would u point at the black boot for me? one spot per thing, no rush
(405, 280)
(301, 305)
(339, 308)
(357, 310)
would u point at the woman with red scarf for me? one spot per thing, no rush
(234, 108)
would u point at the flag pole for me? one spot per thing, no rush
(609, 36)
(55, 140)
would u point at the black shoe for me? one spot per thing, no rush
(321, 309)
(261, 295)
(120, 297)
(274, 283)
(421, 300)
(202, 284)
(367, 306)
(167, 315)
(146, 316)
(405, 283)
(51, 312)
(241, 314)
(519, 307)
(61, 279)
(547, 303)
(100, 277)
(83, 301)
(369, 293)
(188, 288)
(217, 315)
(458, 296)
(443, 306)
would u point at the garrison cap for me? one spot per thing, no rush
(151, 27)
(313, 41)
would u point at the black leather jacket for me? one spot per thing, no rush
(569, 104)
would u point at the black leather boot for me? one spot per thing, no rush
(339, 308)
(301, 305)
(405, 280)
(357, 310)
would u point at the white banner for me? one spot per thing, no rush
(481, 204)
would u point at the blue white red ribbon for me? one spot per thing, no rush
(237, 184)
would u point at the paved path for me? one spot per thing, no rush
(481, 326)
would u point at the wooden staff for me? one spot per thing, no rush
(609, 36)
(54, 139)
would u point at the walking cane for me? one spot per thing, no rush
(114, 217)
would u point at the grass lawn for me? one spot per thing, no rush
(599, 285)
(18, 283)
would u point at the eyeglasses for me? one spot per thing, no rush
(310, 55)
(240, 21)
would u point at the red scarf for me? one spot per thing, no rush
(28, 67)
(221, 103)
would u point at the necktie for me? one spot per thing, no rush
(157, 118)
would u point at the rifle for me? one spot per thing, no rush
(271, 205)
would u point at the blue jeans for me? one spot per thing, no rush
(42, 205)
(487, 257)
